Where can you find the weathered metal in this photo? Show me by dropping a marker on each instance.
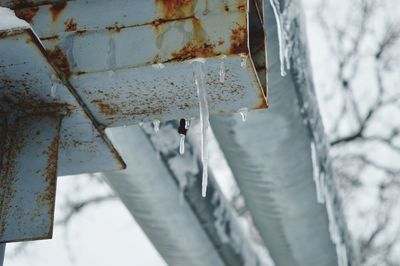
(28, 184)
(26, 78)
(110, 60)
(32, 133)
(129, 63)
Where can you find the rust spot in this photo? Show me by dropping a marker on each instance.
(60, 60)
(80, 32)
(106, 109)
(176, 8)
(115, 28)
(50, 176)
(21, 3)
(263, 104)
(70, 25)
(27, 14)
(199, 47)
(50, 38)
(56, 9)
(193, 50)
(239, 40)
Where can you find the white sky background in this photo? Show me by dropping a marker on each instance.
(106, 234)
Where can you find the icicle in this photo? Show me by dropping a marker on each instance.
(199, 78)
(243, 113)
(341, 254)
(53, 90)
(282, 47)
(187, 123)
(156, 124)
(243, 62)
(158, 66)
(222, 71)
(182, 144)
(316, 174)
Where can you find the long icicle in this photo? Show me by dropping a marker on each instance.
(199, 78)
(276, 8)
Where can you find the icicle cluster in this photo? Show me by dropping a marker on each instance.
(156, 125)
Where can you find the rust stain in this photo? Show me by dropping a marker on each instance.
(21, 3)
(9, 171)
(176, 8)
(56, 9)
(199, 47)
(80, 32)
(50, 38)
(70, 25)
(105, 108)
(115, 28)
(239, 40)
(193, 50)
(50, 177)
(27, 14)
(263, 104)
(60, 60)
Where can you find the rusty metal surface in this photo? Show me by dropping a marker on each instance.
(108, 59)
(26, 79)
(28, 177)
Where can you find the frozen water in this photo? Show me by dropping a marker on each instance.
(187, 124)
(158, 66)
(201, 86)
(182, 144)
(276, 8)
(244, 113)
(156, 125)
(243, 62)
(53, 90)
(222, 72)
(316, 174)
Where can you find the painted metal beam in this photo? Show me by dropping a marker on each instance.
(162, 190)
(42, 135)
(271, 158)
(28, 184)
(131, 62)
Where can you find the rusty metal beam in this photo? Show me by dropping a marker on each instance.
(26, 79)
(35, 141)
(28, 177)
(114, 61)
